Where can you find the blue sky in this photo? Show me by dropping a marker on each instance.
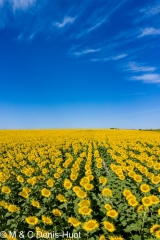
(79, 64)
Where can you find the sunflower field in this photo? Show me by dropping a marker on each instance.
(80, 184)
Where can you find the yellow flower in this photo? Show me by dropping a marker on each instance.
(35, 203)
(75, 222)
(154, 199)
(32, 220)
(20, 179)
(6, 190)
(155, 179)
(126, 192)
(4, 204)
(90, 225)
(85, 210)
(61, 198)
(81, 194)
(102, 237)
(109, 226)
(88, 186)
(73, 177)
(138, 178)
(56, 212)
(76, 188)
(145, 188)
(84, 203)
(45, 192)
(157, 234)
(31, 181)
(84, 181)
(99, 165)
(112, 213)
(56, 175)
(102, 180)
(67, 184)
(13, 208)
(132, 202)
(45, 171)
(146, 201)
(47, 220)
(107, 192)
(108, 206)
(140, 208)
(154, 228)
(159, 211)
(24, 194)
(27, 190)
(50, 182)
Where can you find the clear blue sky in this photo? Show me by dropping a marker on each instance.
(79, 64)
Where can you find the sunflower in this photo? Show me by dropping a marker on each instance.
(25, 189)
(6, 190)
(132, 202)
(140, 208)
(84, 203)
(47, 220)
(84, 181)
(126, 192)
(85, 210)
(154, 199)
(50, 182)
(73, 177)
(109, 226)
(155, 179)
(4, 204)
(13, 208)
(88, 186)
(76, 189)
(99, 165)
(90, 177)
(23, 194)
(130, 196)
(146, 201)
(56, 212)
(145, 188)
(20, 179)
(35, 203)
(108, 206)
(102, 180)
(154, 228)
(81, 194)
(121, 177)
(107, 192)
(67, 184)
(138, 178)
(102, 237)
(157, 234)
(45, 192)
(56, 175)
(159, 211)
(90, 225)
(75, 222)
(61, 198)
(32, 220)
(112, 213)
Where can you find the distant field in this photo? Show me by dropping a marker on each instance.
(80, 184)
